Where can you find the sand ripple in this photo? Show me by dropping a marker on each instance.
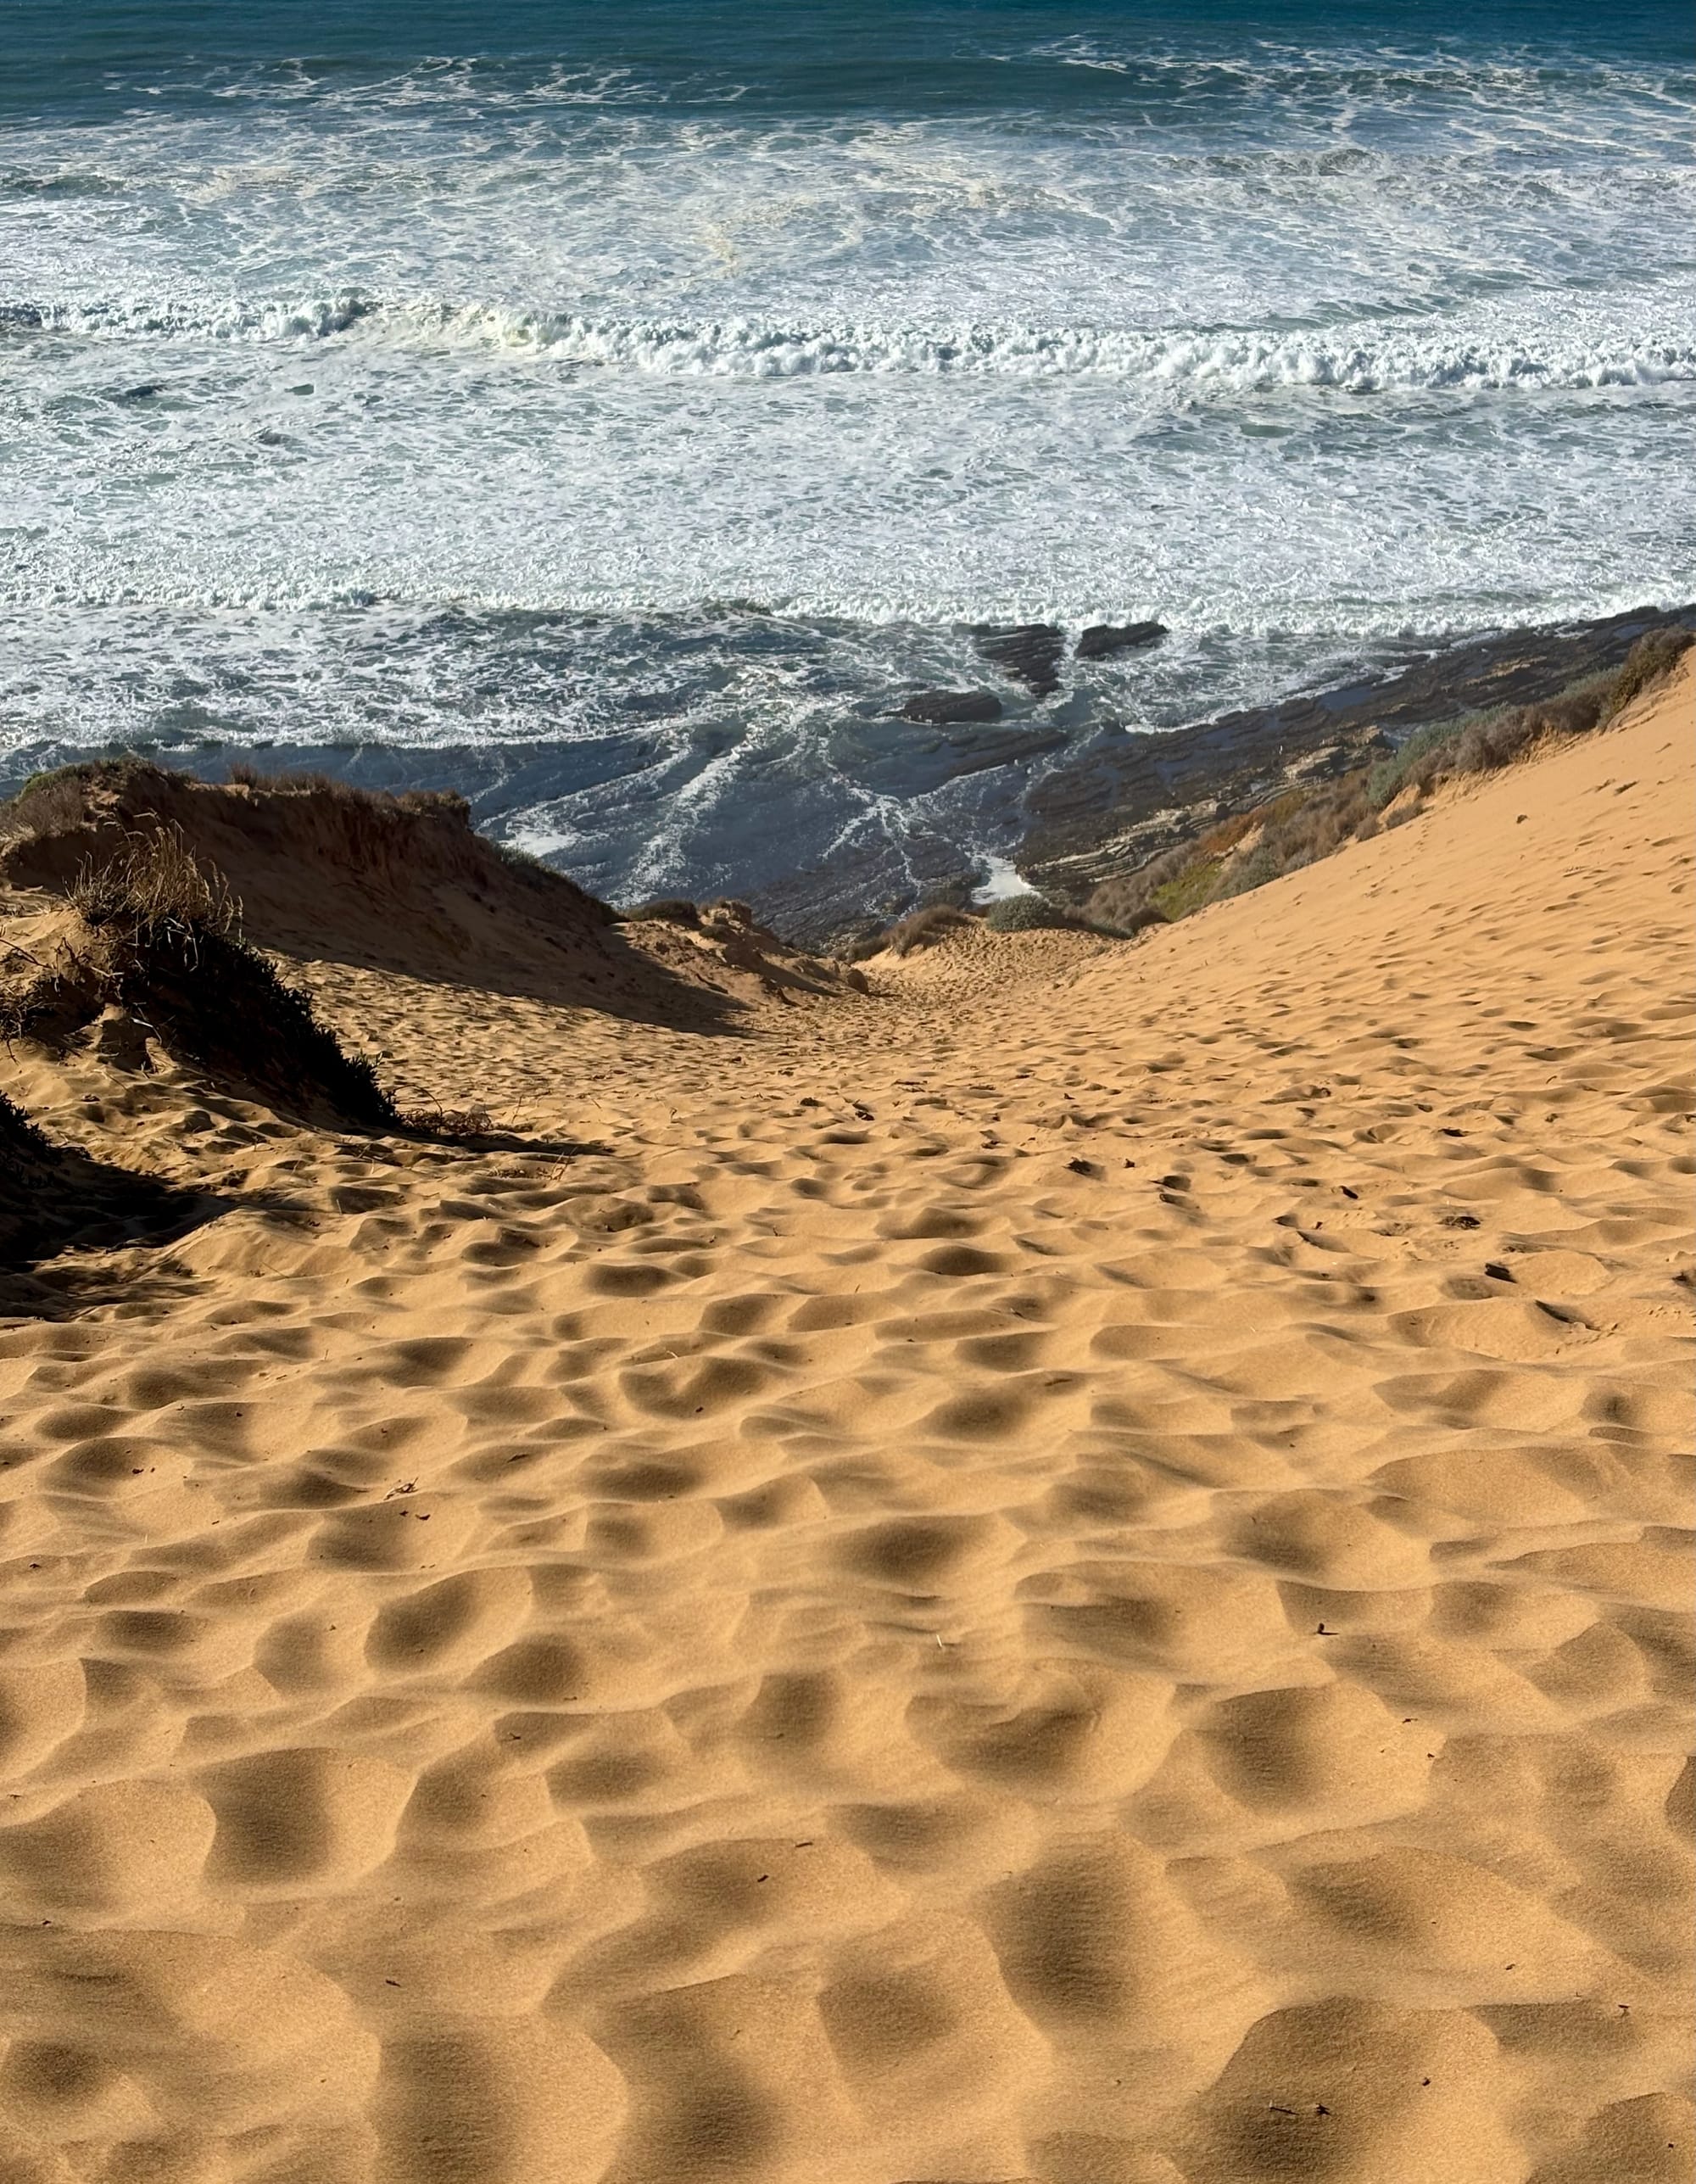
(1074, 1572)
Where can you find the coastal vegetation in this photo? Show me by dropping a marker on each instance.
(152, 944)
(1312, 821)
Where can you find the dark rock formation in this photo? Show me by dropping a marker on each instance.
(1030, 653)
(943, 708)
(1107, 638)
(1127, 795)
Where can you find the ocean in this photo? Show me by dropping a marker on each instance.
(617, 412)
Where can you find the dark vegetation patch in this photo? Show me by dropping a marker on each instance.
(1032, 913)
(157, 939)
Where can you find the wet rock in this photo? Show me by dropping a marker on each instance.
(943, 708)
(1124, 796)
(1029, 652)
(952, 893)
(1107, 638)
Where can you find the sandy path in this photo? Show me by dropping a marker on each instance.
(1072, 1573)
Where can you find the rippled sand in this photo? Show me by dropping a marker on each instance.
(1070, 1571)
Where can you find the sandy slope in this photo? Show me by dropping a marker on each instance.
(1068, 1572)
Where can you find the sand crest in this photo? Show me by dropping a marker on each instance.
(1070, 1569)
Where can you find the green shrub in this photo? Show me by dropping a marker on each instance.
(1648, 660)
(1193, 886)
(1254, 871)
(153, 885)
(80, 769)
(1029, 913)
(1390, 776)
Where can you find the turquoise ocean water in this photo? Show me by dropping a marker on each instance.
(614, 411)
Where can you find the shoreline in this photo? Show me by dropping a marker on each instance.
(1098, 819)
(858, 815)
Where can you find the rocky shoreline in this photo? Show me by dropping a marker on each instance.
(1126, 798)
(904, 777)
(1128, 794)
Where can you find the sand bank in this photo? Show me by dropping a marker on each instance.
(1070, 1569)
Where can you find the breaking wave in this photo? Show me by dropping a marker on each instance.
(1355, 359)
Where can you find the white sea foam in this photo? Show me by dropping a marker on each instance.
(1243, 197)
(1581, 348)
(321, 401)
(1001, 881)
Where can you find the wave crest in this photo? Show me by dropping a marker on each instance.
(1355, 360)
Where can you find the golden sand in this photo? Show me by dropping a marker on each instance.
(1070, 1571)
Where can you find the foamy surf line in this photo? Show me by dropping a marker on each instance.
(1349, 360)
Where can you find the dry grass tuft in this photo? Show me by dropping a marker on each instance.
(923, 929)
(448, 1122)
(1649, 660)
(153, 885)
(669, 910)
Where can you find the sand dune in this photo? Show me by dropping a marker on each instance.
(1069, 1569)
(403, 887)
